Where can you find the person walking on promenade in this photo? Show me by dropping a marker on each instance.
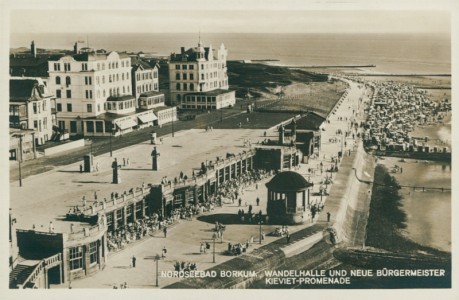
(97, 167)
(164, 252)
(240, 201)
(201, 248)
(288, 237)
(328, 216)
(258, 201)
(165, 232)
(81, 168)
(133, 261)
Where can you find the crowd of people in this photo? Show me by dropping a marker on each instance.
(237, 249)
(186, 267)
(137, 230)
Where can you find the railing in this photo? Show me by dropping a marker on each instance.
(31, 278)
(87, 231)
(53, 260)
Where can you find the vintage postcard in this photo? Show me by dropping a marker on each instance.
(293, 145)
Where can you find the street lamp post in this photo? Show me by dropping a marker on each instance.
(261, 222)
(173, 123)
(111, 134)
(214, 237)
(20, 160)
(157, 258)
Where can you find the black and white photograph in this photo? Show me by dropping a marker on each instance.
(208, 145)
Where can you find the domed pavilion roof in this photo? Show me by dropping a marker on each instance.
(288, 181)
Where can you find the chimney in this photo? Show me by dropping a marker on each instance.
(182, 50)
(75, 48)
(32, 49)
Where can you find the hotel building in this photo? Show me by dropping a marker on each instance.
(198, 78)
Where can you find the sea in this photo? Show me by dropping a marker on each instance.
(391, 53)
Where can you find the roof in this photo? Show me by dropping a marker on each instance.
(160, 108)
(120, 98)
(311, 121)
(210, 93)
(151, 93)
(190, 54)
(288, 181)
(136, 63)
(26, 89)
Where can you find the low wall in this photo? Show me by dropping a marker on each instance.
(64, 147)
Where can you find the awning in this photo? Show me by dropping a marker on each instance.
(124, 124)
(147, 118)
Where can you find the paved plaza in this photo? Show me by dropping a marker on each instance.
(49, 196)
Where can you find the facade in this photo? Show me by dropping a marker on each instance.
(144, 77)
(306, 133)
(196, 72)
(83, 82)
(166, 114)
(151, 99)
(22, 144)
(32, 106)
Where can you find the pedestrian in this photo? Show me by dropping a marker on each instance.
(288, 237)
(240, 201)
(201, 248)
(328, 216)
(127, 161)
(133, 261)
(81, 168)
(124, 162)
(97, 167)
(164, 252)
(165, 232)
(256, 186)
(95, 195)
(258, 201)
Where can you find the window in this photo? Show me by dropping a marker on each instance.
(69, 107)
(191, 87)
(177, 86)
(117, 76)
(184, 67)
(122, 76)
(109, 105)
(69, 93)
(76, 258)
(58, 80)
(45, 123)
(155, 74)
(73, 126)
(99, 126)
(185, 87)
(184, 77)
(103, 92)
(202, 76)
(177, 67)
(120, 105)
(90, 126)
(35, 124)
(59, 107)
(191, 76)
(67, 66)
(191, 67)
(109, 78)
(89, 108)
(177, 76)
(202, 66)
(84, 66)
(68, 81)
(98, 107)
(58, 94)
(57, 66)
(179, 98)
(127, 76)
(88, 94)
(87, 80)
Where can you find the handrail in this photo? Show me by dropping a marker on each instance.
(34, 274)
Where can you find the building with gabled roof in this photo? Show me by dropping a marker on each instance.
(32, 106)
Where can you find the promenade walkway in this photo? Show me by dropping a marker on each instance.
(48, 195)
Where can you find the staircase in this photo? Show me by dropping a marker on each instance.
(21, 272)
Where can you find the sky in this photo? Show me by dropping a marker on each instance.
(229, 21)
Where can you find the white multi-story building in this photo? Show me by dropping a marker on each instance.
(198, 78)
(82, 83)
(32, 107)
